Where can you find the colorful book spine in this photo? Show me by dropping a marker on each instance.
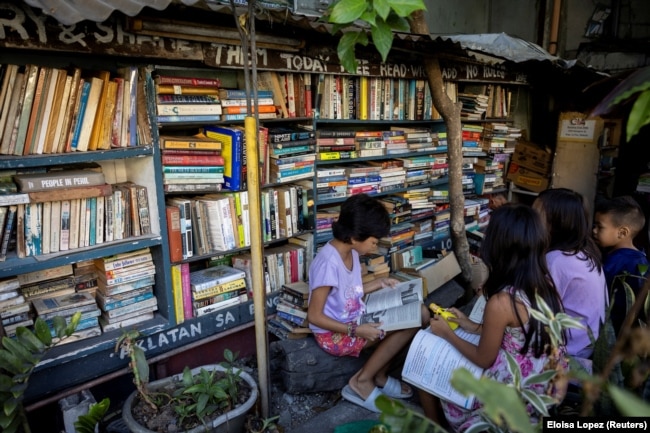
(187, 291)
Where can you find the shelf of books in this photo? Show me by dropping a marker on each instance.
(79, 204)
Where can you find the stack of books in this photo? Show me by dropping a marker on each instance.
(192, 164)
(290, 321)
(235, 107)
(474, 106)
(400, 236)
(410, 259)
(399, 209)
(419, 139)
(217, 287)
(125, 289)
(324, 219)
(374, 267)
(292, 154)
(336, 144)
(370, 143)
(85, 276)
(186, 99)
(363, 179)
(472, 136)
(395, 140)
(331, 183)
(14, 310)
(66, 306)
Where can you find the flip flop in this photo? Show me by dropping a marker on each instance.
(393, 388)
(348, 394)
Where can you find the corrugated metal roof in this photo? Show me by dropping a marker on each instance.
(489, 48)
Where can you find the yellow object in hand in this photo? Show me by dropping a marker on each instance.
(442, 312)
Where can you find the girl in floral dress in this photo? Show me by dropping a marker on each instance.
(514, 252)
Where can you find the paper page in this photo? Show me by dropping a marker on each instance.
(476, 314)
(390, 297)
(431, 361)
(403, 317)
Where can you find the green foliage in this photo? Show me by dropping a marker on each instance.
(382, 16)
(196, 396)
(402, 419)
(86, 423)
(18, 358)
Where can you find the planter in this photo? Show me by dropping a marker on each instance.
(230, 422)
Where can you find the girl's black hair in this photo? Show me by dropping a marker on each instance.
(514, 250)
(568, 224)
(361, 217)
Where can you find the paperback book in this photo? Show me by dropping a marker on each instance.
(396, 307)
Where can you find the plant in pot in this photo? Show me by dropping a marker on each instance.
(211, 398)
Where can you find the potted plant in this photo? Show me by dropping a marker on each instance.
(211, 398)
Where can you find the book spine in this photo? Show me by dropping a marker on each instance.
(187, 81)
(142, 305)
(177, 291)
(218, 289)
(187, 290)
(191, 160)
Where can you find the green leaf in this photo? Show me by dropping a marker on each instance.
(382, 37)
(479, 427)
(42, 331)
(501, 403)
(141, 363)
(405, 8)
(382, 7)
(346, 52)
(630, 297)
(543, 306)
(639, 115)
(347, 11)
(543, 377)
(536, 401)
(398, 23)
(27, 337)
(567, 321)
(369, 17)
(10, 406)
(627, 403)
(74, 322)
(19, 351)
(514, 369)
(10, 362)
(539, 316)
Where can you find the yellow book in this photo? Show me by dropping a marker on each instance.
(93, 142)
(196, 142)
(106, 127)
(364, 85)
(177, 291)
(219, 289)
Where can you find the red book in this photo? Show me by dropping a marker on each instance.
(187, 81)
(174, 233)
(244, 110)
(187, 291)
(192, 160)
(191, 152)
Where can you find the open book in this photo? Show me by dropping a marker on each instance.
(431, 361)
(396, 307)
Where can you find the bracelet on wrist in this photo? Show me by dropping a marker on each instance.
(352, 329)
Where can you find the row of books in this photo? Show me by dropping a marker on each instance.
(220, 222)
(51, 110)
(61, 225)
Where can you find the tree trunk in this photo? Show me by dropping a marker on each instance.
(450, 112)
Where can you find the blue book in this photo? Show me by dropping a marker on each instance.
(127, 301)
(190, 118)
(92, 236)
(232, 150)
(85, 91)
(241, 94)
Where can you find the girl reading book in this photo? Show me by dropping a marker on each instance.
(514, 252)
(336, 302)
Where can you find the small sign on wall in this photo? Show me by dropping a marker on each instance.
(577, 127)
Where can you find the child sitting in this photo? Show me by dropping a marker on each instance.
(336, 302)
(616, 223)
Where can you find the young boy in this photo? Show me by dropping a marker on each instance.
(616, 224)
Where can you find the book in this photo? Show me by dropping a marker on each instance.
(113, 289)
(396, 307)
(431, 357)
(177, 292)
(122, 261)
(219, 289)
(90, 110)
(163, 79)
(232, 151)
(48, 306)
(241, 94)
(198, 142)
(189, 109)
(213, 276)
(174, 237)
(57, 179)
(71, 193)
(120, 324)
(23, 116)
(145, 305)
(106, 305)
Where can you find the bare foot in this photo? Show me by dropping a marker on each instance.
(363, 388)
